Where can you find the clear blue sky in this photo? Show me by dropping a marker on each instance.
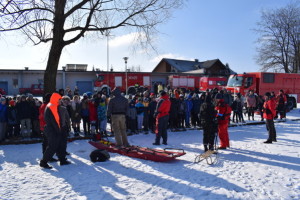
(202, 29)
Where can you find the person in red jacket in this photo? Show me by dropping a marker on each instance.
(162, 118)
(223, 116)
(269, 112)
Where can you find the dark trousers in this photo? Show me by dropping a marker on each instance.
(151, 123)
(146, 122)
(173, 120)
(13, 130)
(132, 124)
(86, 124)
(195, 119)
(271, 129)
(161, 129)
(209, 134)
(251, 112)
(181, 120)
(56, 144)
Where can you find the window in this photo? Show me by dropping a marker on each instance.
(268, 78)
(248, 82)
(15, 82)
(100, 77)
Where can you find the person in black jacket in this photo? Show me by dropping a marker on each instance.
(117, 110)
(152, 107)
(173, 120)
(55, 130)
(208, 122)
(24, 115)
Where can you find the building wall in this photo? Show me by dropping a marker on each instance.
(162, 67)
(24, 78)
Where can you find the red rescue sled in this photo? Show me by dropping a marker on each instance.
(157, 155)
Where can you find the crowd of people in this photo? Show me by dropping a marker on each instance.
(24, 116)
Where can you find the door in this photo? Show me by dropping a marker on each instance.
(4, 86)
(84, 86)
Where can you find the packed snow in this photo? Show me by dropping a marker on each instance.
(250, 169)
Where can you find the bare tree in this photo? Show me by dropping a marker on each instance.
(62, 22)
(279, 40)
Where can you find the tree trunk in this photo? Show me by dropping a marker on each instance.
(51, 70)
(56, 47)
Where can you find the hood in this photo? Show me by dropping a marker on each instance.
(116, 92)
(54, 100)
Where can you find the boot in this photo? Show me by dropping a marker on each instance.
(205, 148)
(45, 165)
(211, 147)
(65, 162)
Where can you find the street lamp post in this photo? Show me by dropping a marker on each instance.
(126, 81)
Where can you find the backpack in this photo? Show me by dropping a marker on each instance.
(99, 155)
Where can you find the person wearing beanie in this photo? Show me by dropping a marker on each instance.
(162, 118)
(54, 130)
(269, 112)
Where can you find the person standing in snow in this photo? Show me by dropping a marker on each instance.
(208, 122)
(3, 118)
(117, 110)
(223, 116)
(269, 110)
(140, 114)
(54, 130)
(162, 118)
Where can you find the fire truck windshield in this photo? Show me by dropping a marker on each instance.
(235, 81)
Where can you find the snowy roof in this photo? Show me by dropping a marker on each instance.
(188, 65)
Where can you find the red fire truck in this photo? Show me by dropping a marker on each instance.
(212, 82)
(183, 81)
(201, 83)
(262, 82)
(132, 81)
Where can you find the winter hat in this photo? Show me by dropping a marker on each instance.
(12, 103)
(162, 93)
(132, 104)
(268, 94)
(30, 96)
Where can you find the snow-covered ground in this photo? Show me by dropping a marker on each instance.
(250, 169)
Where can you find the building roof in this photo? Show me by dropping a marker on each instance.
(187, 65)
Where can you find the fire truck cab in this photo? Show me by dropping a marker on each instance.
(262, 82)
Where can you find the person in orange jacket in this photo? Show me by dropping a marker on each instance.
(269, 112)
(223, 116)
(55, 130)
